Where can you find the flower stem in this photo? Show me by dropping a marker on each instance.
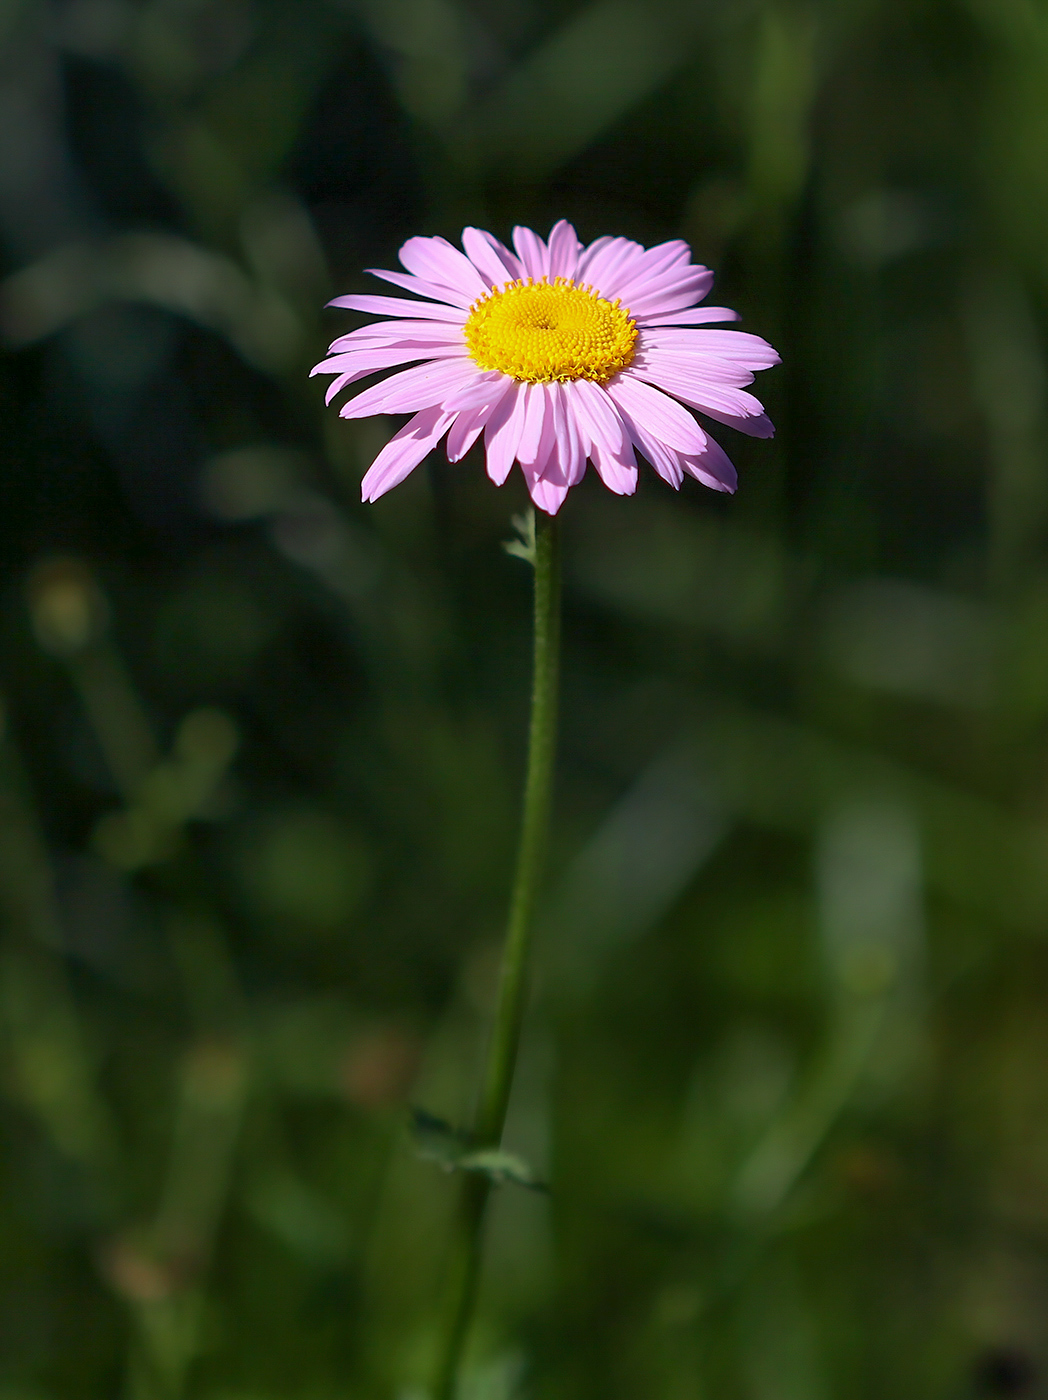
(513, 978)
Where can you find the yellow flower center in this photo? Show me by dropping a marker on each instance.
(541, 331)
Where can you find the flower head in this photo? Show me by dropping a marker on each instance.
(558, 355)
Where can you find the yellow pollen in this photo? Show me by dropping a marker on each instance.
(542, 331)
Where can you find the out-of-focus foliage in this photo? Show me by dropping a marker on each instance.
(784, 1072)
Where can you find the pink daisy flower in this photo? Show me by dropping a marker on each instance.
(559, 355)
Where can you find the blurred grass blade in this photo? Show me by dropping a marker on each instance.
(54, 1066)
(160, 270)
(637, 862)
(583, 79)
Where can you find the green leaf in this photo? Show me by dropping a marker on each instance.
(501, 1167)
(453, 1150)
(524, 546)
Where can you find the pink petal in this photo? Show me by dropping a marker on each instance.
(631, 276)
(536, 404)
(502, 433)
(572, 447)
(532, 252)
(492, 259)
(561, 462)
(598, 418)
(350, 368)
(372, 357)
(402, 454)
(336, 386)
(673, 291)
(728, 405)
(737, 346)
(414, 347)
(604, 258)
(564, 249)
(753, 424)
(399, 306)
(420, 387)
(609, 446)
(544, 460)
(617, 475)
(665, 461)
(434, 290)
(713, 468)
(467, 427)
(390, 332)
(548, 496)
(436, 260)
(695, 316)
(657, 414)
(487, 388)
(590, 252)
(694, 368)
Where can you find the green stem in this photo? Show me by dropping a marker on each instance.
(513, 978)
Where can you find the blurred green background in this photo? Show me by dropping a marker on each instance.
(786, 1068)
